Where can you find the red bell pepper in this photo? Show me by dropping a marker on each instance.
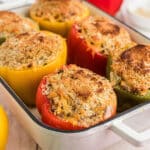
(44, 106)
(91, 41)
(80, 53)
(110, 6)
(59, 109)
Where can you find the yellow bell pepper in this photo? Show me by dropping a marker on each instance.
(61, 28)
(56, 26)
(25, 81)
(3, 129)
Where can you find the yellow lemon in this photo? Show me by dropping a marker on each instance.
(3, 128)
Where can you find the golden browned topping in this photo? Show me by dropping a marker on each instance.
(30, 49)
(11, 23)
(80, 96)
(105, 35)
(59, 10)
(133, 67)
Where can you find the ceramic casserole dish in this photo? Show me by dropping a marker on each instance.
(132, 125)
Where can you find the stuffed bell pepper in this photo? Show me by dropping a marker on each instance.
(4, 127)
(92, 40)
(12, 24)
(130, 74)
(74, 98)
(27, 57)
(58, 15)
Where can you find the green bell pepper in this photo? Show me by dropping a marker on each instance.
(126, 99)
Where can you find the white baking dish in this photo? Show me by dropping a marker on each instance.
(132, 125)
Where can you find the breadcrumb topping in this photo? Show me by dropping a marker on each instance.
(59, 10)
(103, 34)
(30, 49)
(133, 69)
(11, 23)
(80, 96)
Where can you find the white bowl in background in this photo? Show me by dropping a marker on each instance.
(138, 13)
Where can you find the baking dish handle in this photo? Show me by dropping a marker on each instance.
(137, 138)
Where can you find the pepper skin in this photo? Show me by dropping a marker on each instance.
(61, 28)
(80, 53)
(124, 95)
(4, 128)
(44, 107)
(25, 81)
